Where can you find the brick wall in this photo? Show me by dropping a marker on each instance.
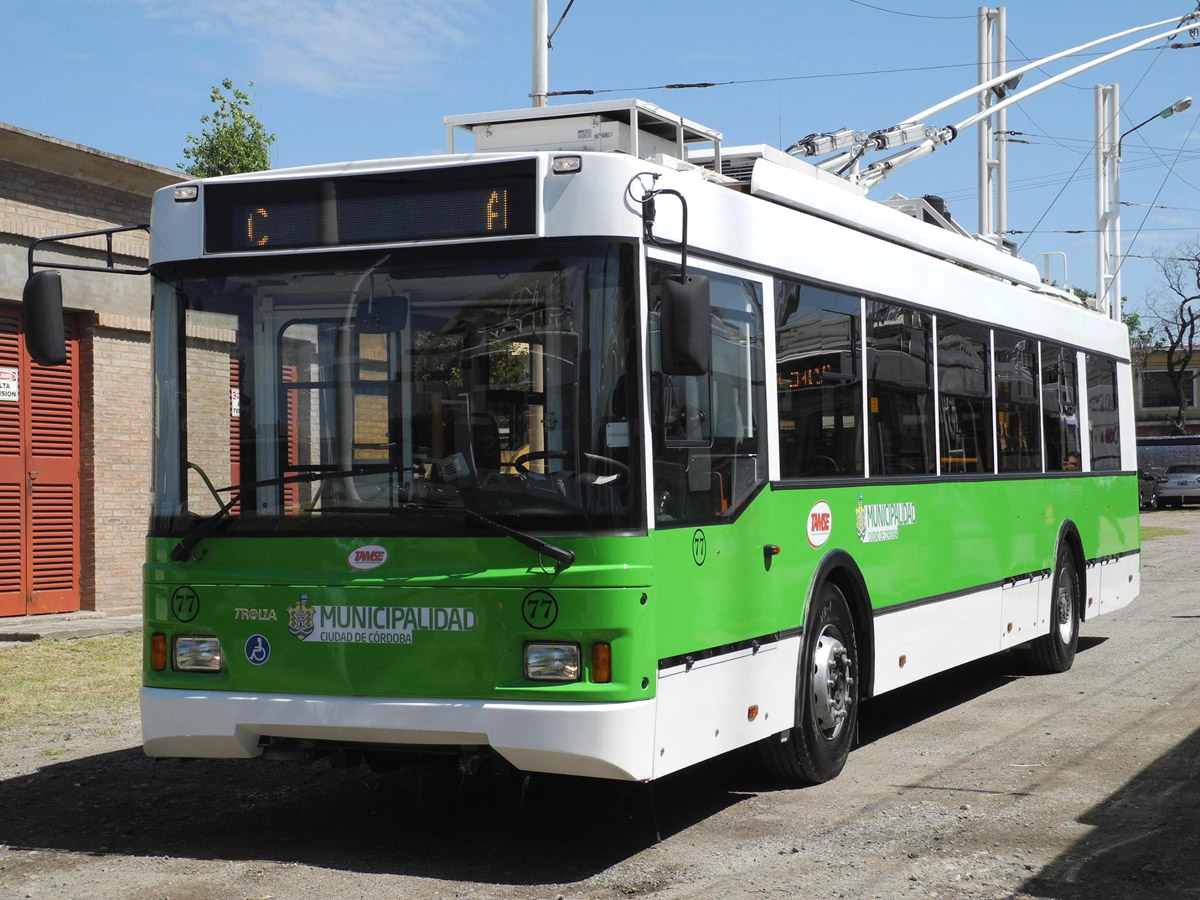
(116, 416)
(39, 204)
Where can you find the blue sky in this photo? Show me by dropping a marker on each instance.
(355, 79)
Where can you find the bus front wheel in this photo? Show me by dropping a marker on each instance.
(815, 750)
(1055, 652)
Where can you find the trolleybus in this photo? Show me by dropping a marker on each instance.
(604, 449)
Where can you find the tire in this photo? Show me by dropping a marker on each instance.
(1055, 652)
(815, 750)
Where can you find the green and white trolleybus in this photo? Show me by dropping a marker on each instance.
(603, 455)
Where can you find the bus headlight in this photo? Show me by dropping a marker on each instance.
(552, 662)
(197, 653)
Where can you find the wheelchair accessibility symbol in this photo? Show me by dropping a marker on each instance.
(258, 649)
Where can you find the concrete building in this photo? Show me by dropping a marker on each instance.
(74, 441)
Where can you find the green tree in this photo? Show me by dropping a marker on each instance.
(234, 141)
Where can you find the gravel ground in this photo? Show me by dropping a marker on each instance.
(979, 783)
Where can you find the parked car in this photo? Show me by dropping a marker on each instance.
(1179, 483)
(1147, 487)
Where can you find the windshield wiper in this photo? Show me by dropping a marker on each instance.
(202, 529)
(561, 555)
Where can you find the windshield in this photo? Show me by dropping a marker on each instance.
(396, 392)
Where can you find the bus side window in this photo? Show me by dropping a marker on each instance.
(1018, 426)
(900, 411)
(818, 381)
(964, 396)
(1104, 420)
(1060, 406)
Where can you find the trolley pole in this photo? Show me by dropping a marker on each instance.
(541, 56)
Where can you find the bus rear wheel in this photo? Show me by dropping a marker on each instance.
(1055, 652)
(815, 750)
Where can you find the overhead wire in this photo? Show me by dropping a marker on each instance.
(1156, 206)
(1041, 69)
(1075, 140)
(896, 12)
(558, 24)
(1097, 230)
(809, 77)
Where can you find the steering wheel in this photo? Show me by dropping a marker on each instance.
(519, 462)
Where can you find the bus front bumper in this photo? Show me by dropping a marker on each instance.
(598, 740)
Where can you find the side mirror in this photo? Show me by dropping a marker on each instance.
(44, 334)
(684, 329)
(381, 315)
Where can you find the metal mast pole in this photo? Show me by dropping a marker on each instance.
(984, 136)
(993, 179)
(541, 60)
(1108, 200)
(1001, 145)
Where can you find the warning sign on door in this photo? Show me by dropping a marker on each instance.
(10, 385)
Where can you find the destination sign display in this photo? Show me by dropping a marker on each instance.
(494, 200)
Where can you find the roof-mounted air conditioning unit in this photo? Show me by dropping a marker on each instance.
(635, 127)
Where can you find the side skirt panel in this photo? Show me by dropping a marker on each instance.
(704, 710)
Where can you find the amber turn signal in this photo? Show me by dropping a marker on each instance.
(158, 652)
(602, 663)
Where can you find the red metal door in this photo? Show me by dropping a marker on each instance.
(39, 476)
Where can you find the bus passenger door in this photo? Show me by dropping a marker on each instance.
(710, 460)
(715, 594)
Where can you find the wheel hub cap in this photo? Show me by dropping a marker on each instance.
(1063, 611)
(831, 683)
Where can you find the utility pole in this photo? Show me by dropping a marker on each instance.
(1108, 200)
(541, 54)
(993, 155)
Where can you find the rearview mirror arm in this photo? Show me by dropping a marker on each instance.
(109, 266)
(648, 222)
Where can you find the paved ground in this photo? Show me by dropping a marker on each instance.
(980, 783)
(66, 626)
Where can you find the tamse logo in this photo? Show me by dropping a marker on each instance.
(820, 523)
(369, 557)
